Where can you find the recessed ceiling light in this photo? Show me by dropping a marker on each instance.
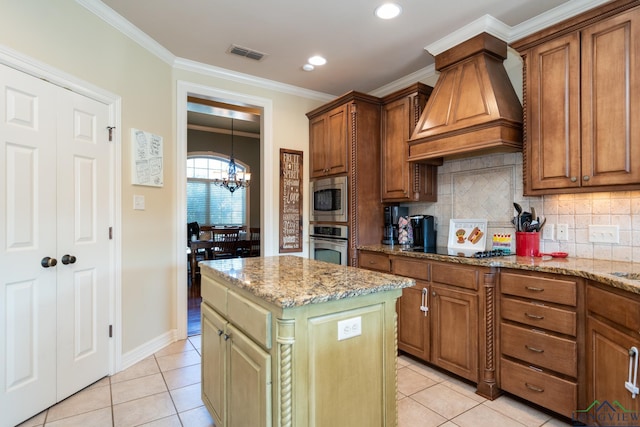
(388, 11)
(308, 67)
(317, 60)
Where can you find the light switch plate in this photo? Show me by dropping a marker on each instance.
(138, 203)
(604, 234)
(547, 232)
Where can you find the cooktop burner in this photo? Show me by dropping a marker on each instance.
(467, 254)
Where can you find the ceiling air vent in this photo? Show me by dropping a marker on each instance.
(246, 52)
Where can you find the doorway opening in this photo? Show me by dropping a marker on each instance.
(261, 188)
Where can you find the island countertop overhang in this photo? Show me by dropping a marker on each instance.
(290, 281)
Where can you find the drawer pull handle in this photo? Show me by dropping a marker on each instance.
(533, 289)
(534, 388)
(535, 350)
(533, 316)
(424, 306)
(632, 382)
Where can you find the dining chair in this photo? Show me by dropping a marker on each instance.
(226, 242)
(254, 241)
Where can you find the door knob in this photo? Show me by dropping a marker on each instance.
(47, 262)
(68, 259)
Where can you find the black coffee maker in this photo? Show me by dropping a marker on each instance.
(392, 214)
(424, 233)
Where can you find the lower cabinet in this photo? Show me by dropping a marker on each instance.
(539, 339)
(438, 318)
(237, 372)
(454, 329)
(613, 342)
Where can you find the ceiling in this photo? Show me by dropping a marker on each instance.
(364, 53)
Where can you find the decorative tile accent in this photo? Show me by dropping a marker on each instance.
(484, 193)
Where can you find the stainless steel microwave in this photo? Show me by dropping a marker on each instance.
(329, 199)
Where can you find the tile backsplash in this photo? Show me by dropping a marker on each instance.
(485, 187)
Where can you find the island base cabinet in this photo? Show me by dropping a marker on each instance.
(607, 371)
(236, 380)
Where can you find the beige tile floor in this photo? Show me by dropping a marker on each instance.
(164, 391)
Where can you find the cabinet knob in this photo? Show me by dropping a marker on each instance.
(226, 337)
(585, 178)
(574, 179)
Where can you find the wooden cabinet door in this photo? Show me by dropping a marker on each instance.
(213, 371)
(317, 137)
(249, 382)
(454, 325)
(413, 320)
(337, 144)
(608, 370)
(396, 175)
(610, 101)
(553, 114)
(328, 143)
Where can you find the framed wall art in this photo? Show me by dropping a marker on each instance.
(147, 159)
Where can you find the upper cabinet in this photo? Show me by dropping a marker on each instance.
(581, 98)
(403, 181)
(328, 142)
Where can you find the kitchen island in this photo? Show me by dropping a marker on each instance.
(291, 341)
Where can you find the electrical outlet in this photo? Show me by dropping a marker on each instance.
(604, 234)
(562, 233)
(547, 232)
(349, 328)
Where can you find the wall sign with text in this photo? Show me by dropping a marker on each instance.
(290, 200)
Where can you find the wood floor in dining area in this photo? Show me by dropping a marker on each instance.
(194, 298)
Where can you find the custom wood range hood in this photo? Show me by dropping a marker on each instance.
(473, 108)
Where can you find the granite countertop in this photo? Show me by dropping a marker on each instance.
(291, 281)
(598, 270)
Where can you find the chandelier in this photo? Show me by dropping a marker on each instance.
(232, 179)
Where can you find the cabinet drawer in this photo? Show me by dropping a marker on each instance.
(214, 294)
(539, 387)
(540, 288)
(539, 315)
(450, 274)
(622, 310)
(414, 268)
(540, 349)
(254, 320)
(374, 261)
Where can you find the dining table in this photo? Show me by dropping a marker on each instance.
(209, 247)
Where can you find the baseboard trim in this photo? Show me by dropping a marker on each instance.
(147, 349)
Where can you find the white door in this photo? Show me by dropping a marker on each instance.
(54, 201)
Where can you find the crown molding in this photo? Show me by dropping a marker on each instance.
(112, 18)
(134, 33)
(495, 27)
(551, 17)
(484, 24)
(405, 81)
(223, 73)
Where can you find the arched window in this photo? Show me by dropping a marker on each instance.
(207, 203)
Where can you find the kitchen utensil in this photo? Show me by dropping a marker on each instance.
(519, 210)
(541, 224)
(554, 254)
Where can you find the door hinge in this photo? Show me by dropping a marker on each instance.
(110, 331)
(110, 129)
(110, 233)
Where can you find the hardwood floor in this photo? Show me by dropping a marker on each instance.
(193, 300)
